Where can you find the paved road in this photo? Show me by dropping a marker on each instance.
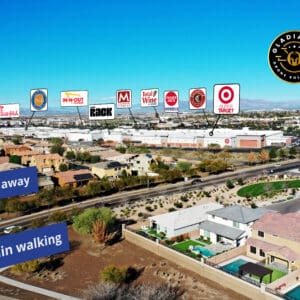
(287, 206)
(161, 190)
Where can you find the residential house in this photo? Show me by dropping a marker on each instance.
(12, 149)
(276, 239)
(184, 221)
(72, 178)
(109, 169)
(47, 163)
(231, 224)
(4, 159)
(139, 163)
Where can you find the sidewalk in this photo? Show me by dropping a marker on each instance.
(35, 289)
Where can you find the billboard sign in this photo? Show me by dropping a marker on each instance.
(33, 244)
(74, 98)
(39, 100)
(226, 99)
(198, 98)
(171, 99)
(9, 111)
(22, 181)
(102, 112)
(149, 97)
(124, 99)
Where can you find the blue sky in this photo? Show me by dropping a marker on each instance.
(103, 46)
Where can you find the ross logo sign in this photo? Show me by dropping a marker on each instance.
(39, 100)
(171, 101)
(149, 97)
(74, 98)
(9, 111)
(124, 99)
(102, 112)
(198, 98)
(226, 99)
(32, 244)
(22, 181)
(284, 56)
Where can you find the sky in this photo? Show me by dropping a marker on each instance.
(103, 46)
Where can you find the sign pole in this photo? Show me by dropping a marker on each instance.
(79, 115)
(131, 114)
(211, 133)
(206, 118)
(29, 121)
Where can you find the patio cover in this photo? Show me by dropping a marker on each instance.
(255, 269)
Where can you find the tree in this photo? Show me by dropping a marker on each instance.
(272, 153)
(47, 197)
(27, 267)
(83, 223)
(17, 139)
(95, 159)
(63, 167)
(56, 141)
(15, 159)
(251, 158)
(36, 223)
(183, 166)
(70, 155)
(57, 149)
(229, 184)
(282, 153)
(293, 151)
(100, 233)
(264, 156)
(114, 274)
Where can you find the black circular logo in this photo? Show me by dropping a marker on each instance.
(284, 56)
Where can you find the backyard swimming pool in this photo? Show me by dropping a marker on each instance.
(203, 251)
(233, 267)
(293, 294)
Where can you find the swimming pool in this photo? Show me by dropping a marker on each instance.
(293, 294)
(233, 267)
(203, 251)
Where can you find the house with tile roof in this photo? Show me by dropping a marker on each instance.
(72, 178)
(231, 224)
(276, 239)
(47, 163)
(109, 169)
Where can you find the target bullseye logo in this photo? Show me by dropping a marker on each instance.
(227, 99)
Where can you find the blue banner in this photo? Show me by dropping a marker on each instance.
(22, 181)
(32, 244)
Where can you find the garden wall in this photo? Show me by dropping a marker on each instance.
(204, 270)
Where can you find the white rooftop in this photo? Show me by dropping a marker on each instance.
(185, 217)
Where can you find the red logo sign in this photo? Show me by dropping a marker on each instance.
(124, 99)
(227, 141)
(197, 98)
(171, 98)
(226, 94)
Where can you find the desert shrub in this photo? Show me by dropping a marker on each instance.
(114, 274)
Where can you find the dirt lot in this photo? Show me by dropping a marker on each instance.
(82, 265)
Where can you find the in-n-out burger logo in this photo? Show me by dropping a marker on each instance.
(102, 112)
(74, 98)
(9, 110)
(149, 97)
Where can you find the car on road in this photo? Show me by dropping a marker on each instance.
(12, 229)
(196, 181)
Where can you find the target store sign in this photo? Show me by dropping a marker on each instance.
(171, 99)
(226, 99)
(124, 99)
(198, 98)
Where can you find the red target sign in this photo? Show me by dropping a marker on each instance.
(226, 99)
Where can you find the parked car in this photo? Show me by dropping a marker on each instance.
(12, 229)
